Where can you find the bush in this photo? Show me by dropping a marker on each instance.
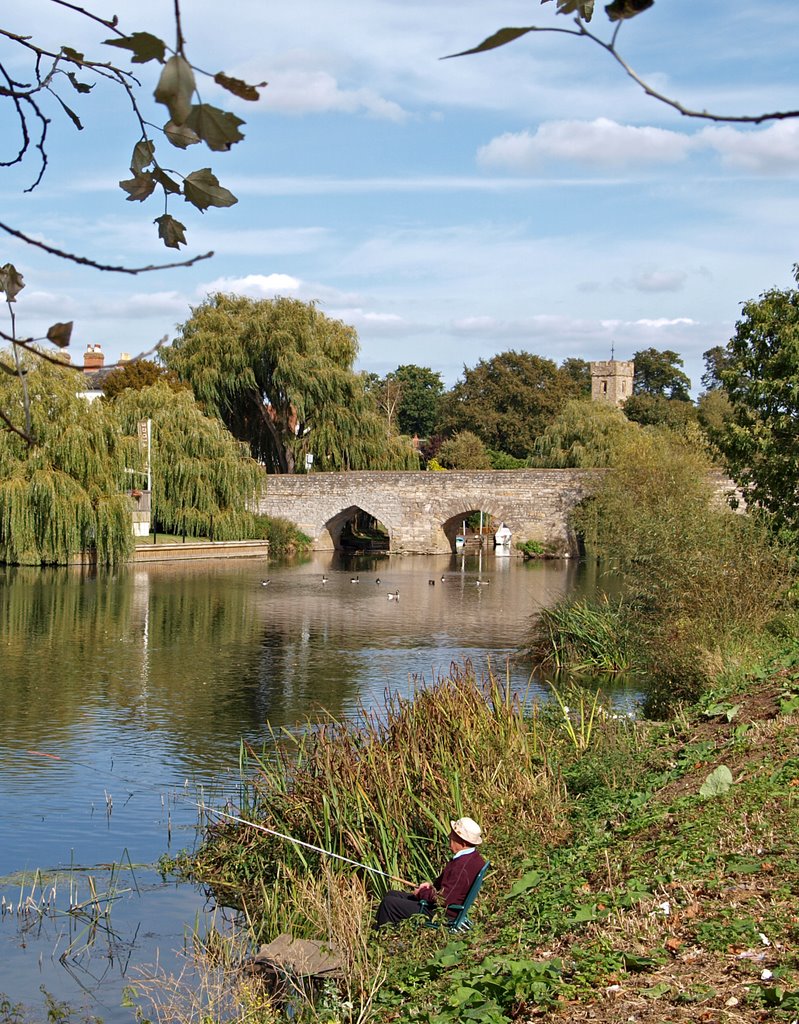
(283, 536)
(702, 582)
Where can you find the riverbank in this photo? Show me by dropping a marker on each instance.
(650, 874)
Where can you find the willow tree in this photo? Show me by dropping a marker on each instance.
(204, 481)
(279, 373)
(63, 494)
(584, 435)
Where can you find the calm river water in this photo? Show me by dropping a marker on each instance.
(124, 698)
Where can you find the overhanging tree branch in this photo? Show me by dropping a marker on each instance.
(86, 262)
(504, 36)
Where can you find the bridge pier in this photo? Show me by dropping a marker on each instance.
(422, 511)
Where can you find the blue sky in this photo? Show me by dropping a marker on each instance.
(530, 198)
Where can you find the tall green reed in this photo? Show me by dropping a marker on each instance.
(380, 789)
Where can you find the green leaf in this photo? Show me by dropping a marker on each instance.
(180, 136)
(619, 10)
(524, 884)
(717, 710)
(60, 334)
(656, 991)
(175, 88)
(144, 46)
(11, 281)
(717, 783)
(202, 189)
(217, 128)
(633, 962)
(167, 184)
(501, 38)
(171, 231)
(238, 87)
(139, 187)
(77, 85)
(142, 157)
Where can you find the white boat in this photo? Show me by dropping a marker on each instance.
(502, 539)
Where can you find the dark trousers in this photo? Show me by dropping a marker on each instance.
(396, 906)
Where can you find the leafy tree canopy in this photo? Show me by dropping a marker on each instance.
(583, 434)
(658, 411)
(580, 372)
(66, 493)
(660, 373)
(760, 442)
(716, 360)
(464, 450)
(508, 400)
(138, 374)
(420, 392)
(279, 373)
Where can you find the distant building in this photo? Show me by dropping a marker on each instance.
(93, 359)
(612, 380)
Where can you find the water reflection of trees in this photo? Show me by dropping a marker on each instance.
(189, 653)
(188, 658)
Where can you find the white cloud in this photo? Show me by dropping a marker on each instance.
(305, 91)
(771, 150)
(255, 286)
(374, 322)
(661, 322)
(606, 143)
(660, 281)
(601, 142)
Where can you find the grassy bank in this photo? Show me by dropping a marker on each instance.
(640, 870)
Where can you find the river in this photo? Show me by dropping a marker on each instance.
(124, 700)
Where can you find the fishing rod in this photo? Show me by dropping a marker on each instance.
(300, 842)
(206, 809)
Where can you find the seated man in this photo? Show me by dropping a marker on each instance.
(451, 886)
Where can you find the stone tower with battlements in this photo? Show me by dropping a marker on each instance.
(612, 380)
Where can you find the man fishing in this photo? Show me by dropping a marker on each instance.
(451, 886)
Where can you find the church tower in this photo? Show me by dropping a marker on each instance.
(612, 380)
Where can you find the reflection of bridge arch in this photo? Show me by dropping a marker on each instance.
(417, 507)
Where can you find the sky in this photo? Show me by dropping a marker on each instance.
(531, 198)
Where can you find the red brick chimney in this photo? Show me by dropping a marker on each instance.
(93, 359)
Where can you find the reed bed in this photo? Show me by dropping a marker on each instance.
(583, 636)
(380, 790)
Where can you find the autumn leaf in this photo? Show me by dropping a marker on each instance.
(171, 231)
(238, 87)
(143, 153)
(60, 334)
(144, 46)
(139, 187)
(217, 128)
(175, 88)
(619, 10)
(11, 281)
(180, 136)
(167, 184)
(202, 189)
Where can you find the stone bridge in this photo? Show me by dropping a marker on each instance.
(424, 511)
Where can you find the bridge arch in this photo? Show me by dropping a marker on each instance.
(452, 525)
(329, 536)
